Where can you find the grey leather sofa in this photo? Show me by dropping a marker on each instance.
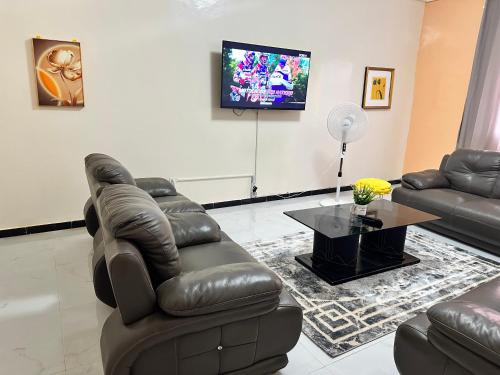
(189, 299)
(461, 336)
(103, 170)
(458, 337)
(206, 308)
(464, 192)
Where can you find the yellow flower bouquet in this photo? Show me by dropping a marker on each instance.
(378, 186)
(365, 191)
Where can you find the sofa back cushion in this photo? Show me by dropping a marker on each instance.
(104, 168)
(193, 228)
(474, 171)
(130, 213)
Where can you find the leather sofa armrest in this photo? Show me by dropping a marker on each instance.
(90, 217)
(428, 179)
(121, 344)
(132, 287)
(219, 288)
(193, 228)
(471, 325)
(156, 186)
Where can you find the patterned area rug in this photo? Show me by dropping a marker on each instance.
(343, 317)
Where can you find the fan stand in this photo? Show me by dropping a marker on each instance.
(336, 201)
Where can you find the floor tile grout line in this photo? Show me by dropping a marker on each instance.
(59, 309)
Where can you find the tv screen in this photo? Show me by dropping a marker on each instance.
(263, 77)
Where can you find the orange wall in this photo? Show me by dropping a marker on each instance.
(444, 63)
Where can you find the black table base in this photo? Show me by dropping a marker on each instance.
(338, 260)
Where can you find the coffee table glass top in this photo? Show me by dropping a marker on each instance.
(335, 221)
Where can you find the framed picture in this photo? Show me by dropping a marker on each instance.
(377, 92)
(58, 72)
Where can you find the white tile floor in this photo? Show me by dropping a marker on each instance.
(50, 319)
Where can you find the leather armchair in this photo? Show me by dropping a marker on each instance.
(462, 336)
(220, 312)
(464, 192)
(457, 337)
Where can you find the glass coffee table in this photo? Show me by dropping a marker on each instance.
(347, 248)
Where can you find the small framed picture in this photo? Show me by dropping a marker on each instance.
(377, 92)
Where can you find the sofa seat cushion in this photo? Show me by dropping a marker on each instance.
(199, 257)
(130, 213)
(224, 287)
(440, 202)
(480, 216)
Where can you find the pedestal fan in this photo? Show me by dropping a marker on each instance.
(347, 122)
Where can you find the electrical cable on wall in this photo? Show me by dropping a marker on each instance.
(238, 113)
(254, 187)
(256, 150)
(253, 190)
(290, 196)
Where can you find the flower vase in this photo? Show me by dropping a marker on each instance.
(359, 209)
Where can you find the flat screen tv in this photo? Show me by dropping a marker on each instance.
(262, 77)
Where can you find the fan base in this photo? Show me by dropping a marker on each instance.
(333, 202)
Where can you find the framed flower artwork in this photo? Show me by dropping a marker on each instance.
(377, 91)
(58, 72)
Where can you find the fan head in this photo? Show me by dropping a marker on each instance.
(347, 122)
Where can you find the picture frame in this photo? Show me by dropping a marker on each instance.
(378, 88)
(58, 73)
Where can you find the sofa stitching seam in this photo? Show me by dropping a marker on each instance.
(225, 302)
(434, 321)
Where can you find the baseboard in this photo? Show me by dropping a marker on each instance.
(41, 228)
(269, 198)
(208, 206)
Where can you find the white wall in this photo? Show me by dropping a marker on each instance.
(151, 79)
